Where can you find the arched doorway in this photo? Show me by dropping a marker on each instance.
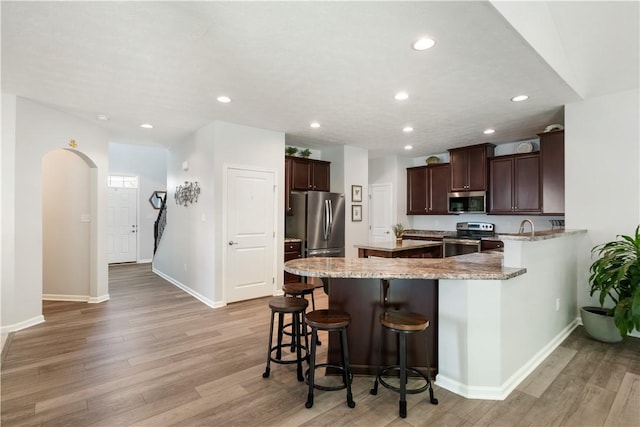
(69, 226)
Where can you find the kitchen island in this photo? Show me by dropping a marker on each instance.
(494, 318)
(401, 249)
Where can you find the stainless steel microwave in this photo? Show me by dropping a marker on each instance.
(468, 202)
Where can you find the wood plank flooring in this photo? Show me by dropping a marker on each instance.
(155, 356)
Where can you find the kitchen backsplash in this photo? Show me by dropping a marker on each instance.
(504, 224)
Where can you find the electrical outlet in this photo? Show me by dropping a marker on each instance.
(185, 267)
(557, 304)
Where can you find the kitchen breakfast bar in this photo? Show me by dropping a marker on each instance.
(483, 337)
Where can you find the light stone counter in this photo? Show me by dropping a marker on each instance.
(539, 235)
(476, 266)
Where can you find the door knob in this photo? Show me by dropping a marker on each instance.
(231, 243)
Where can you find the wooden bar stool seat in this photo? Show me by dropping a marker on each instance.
(403, 323)
(332, 321)
(296, 307)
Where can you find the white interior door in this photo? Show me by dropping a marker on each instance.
(123, 225)
(250, 266)
(381, 213)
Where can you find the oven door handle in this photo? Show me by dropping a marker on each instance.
(462, 242)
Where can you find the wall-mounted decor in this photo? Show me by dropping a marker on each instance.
(356, 193)
(157, 199)
(187, 193)
(356, 213)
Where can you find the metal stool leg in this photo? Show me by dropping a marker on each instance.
(312, 367)
(374, 390)
(403, 375)
(268, 369)
(280, 323)
(432, 399)
(345, 366)
(296, 328)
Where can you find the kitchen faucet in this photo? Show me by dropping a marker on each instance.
(521, 230)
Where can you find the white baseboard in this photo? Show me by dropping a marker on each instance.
(21, 325)
(75, 298)
(145, 261)
(503, 391)
(188, 290)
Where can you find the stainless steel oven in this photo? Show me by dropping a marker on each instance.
(468, 238)
(454, 246)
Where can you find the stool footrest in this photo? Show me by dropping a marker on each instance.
(324, 387)
(387, 369)
(282, 361)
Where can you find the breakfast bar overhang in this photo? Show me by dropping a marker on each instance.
(494, 324)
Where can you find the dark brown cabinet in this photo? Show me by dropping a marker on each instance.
(292, 250)
(308, 174)
(468, 167)
(514, 184)
(486, 245)
(552, 172)
(427, 188)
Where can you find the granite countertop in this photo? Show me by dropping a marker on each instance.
(436, 234)
(292, 240)
(398, 246)
(539, 235)
(479, 266)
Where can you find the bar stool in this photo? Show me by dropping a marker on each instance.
(329, 320)
(300, 290)
(296, 307)
(403, 323)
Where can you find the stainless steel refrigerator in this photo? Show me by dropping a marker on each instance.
(318, 219)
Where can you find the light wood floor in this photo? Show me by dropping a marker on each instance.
(155, 356)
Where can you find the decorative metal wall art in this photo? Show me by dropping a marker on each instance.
(187, 193)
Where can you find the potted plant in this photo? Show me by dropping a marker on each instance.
(615, 275)
(305, 153)
(398, 229)
(290, 151)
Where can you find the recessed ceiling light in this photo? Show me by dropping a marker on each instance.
(224, 99)
(407, 129)
(408, 147)
(146, 126)
(520, 98)
(424, 43)
(102, 117)
(401, 96)
(315, 125)
(489, 131)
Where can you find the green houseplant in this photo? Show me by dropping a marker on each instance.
(290, 151)
(398, 229)
(615, 275)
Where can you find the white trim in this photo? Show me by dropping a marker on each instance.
(503, 391)
(65, 297)
(145, 261)
(22, 325)
(190, 291)
(101, 298)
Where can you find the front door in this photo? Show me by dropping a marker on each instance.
(381, 213)
(122, 225)
(250, 269)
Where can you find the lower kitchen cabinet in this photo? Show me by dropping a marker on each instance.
(292, 250)
(514, 184)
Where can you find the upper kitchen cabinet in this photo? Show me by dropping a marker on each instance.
(427, 188)
(469, 167)
(309, 174)
(514, 184)
(552, 172)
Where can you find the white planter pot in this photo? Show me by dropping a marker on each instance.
(598, 325)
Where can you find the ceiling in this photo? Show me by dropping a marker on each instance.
(286, 64)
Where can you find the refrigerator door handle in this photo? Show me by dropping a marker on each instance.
(330, 219)
(325, 220)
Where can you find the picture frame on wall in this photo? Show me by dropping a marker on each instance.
(356, 213)
(356, 193)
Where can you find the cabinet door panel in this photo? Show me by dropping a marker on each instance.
(477, 168)
(321, 176)
(459, 164)
(417, 191)
(527, 184)
(552, 167)
(439, 187)
(300, 174)
(501, 188)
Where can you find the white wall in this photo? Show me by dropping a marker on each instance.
(66, 236)
(39, 130)
(149, 164)
(191, 251)
(602, 178)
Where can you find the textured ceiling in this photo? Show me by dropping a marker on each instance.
(284, 64)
